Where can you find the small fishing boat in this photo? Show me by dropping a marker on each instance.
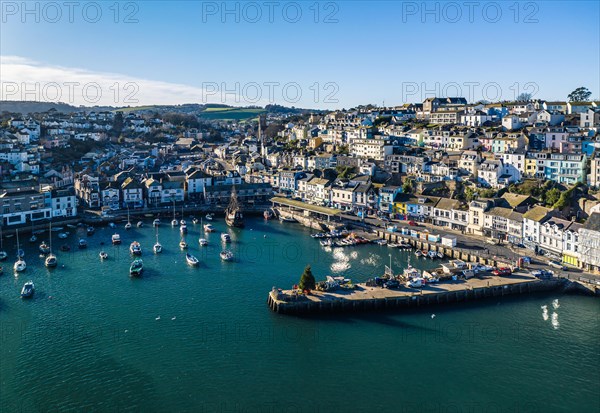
(112, 225)
(3, 254)
(32, 239)
(440, 255)
(136, 268)
(90, 230)
(209, 217)
(194, 220)
(44, 248)
(203, 242)
(28, 290)
(225, 237)
(156, 222)
(174, 222)
(182, 222)
(128, 225)
(432, 254)
(135, 248)
(116, 239)
(63, 235)
(209, 228)
(20, 265)
(103, 255)
(72, 226)
(182, 244)
(286, 219)
(82, 243)
(183, 228)
(139, 224)
(226, 255)
(191, 260)
(418, 253)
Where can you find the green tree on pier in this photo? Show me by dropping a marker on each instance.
(307, 281)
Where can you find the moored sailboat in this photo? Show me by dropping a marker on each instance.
(51, 261)
(157, 248)
(136, 268)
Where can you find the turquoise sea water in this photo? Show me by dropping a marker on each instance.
(203, 339)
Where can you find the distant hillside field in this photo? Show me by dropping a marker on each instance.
(230, 113)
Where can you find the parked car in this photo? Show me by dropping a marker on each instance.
(502, 271)
(413, 224)
(542, 274)
(558, 265)
(391, 284)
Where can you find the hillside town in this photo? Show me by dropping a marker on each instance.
(523, 173)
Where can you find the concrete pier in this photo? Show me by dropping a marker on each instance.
(364, 298)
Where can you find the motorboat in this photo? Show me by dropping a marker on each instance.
(203, 242)
(139, 224)
(156, 222)
(157, 248)
(136, 268)
(182, 222)
(440, 254)
(209, 217)
(418, 253)
(411, 272)
(128, 225)
(287, 219)
(183, 228)
(182, 244)
(226, 255)
(191, 260)
(116, 239)
(28, 290)
(209, 228)
(20, 265)
(432, 254)
(135, 248)
(174, 222)
(103, 255)
(82, 243)
(225, 237)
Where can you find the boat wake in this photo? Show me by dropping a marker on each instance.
(555, 322)
(545, 312)
(555, 304)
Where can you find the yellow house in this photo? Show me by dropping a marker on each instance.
(314, 143)
(530, 166)
(401, 203)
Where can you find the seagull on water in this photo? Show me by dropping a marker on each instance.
(157, 318)
(173, 318)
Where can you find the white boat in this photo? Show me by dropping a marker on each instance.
(156, 222)
(128, 225)
(63, 235)
(28, 290)
(112, 225)
(140, 224)
(194, 220)
(432, 254)
(82, 243)
(287, 219)
(135, 248)
(209, 217)
(20, 265)
(182, 222)
(203, 242)
(418, 253)
(411, 272)
(51, 261)
(209, 228)
(193, 261)
(226, 255)
(116, 239)
(182, 244)
(103, 255)
(157, 247)
(183, 228)
(225, 237)
(440, 254)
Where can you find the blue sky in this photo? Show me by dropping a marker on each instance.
(350, 53)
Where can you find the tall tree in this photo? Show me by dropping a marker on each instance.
(307, 280)
(581, 94)
(524, 97)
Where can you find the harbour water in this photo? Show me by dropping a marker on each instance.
(203, 339)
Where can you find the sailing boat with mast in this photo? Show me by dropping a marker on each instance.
(51, 260)
(233, 213)
(128, 225)
(3, 254)
(33, 236)
(174, 221)
(20, 264)
(157, 248)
